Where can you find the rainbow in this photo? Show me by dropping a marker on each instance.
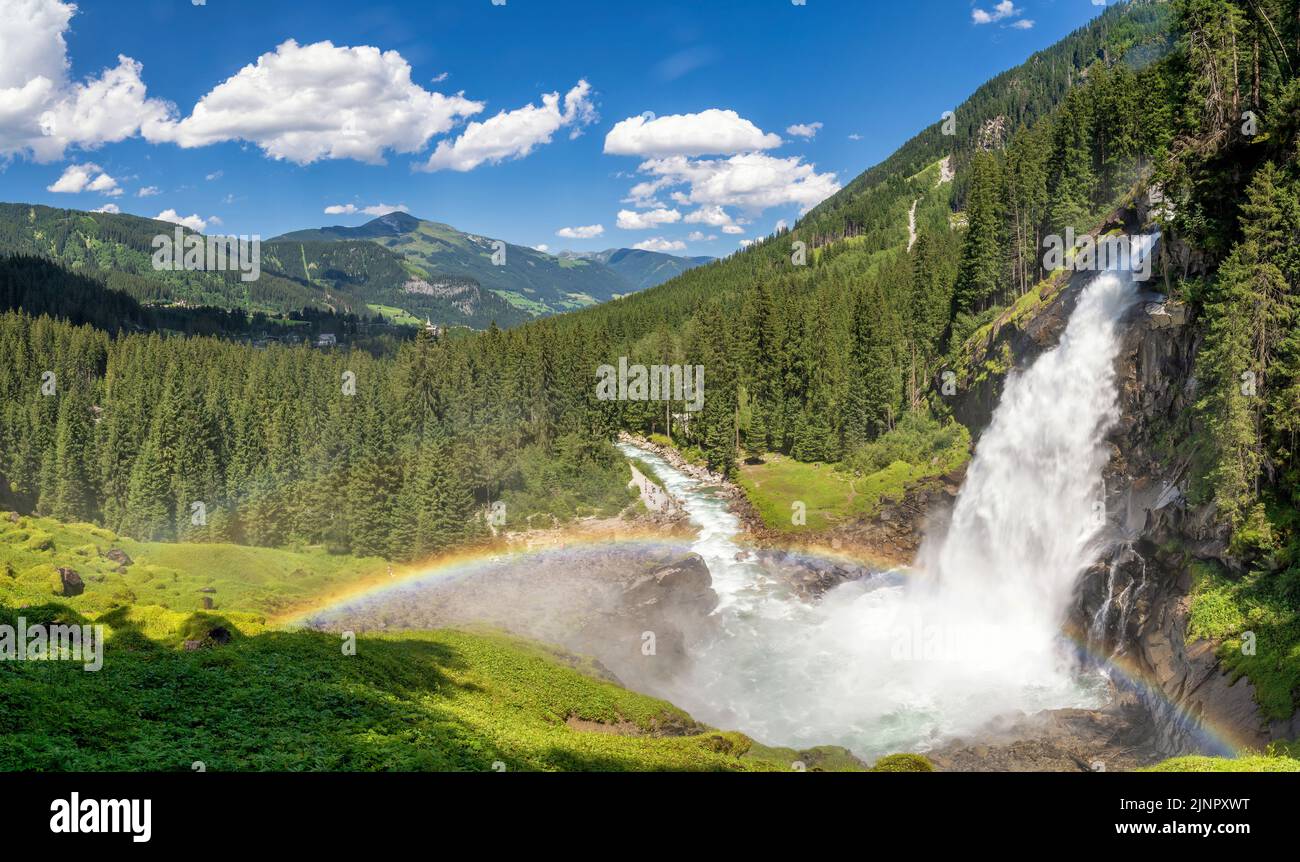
(1123, 672)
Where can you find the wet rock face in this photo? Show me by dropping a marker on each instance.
(1134, 603)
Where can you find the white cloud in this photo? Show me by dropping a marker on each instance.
(642, 195)
(107, 208)
(855, 137)
(147, 192)
(1004, 9)
(746, 243)
(303, 103)
(631, 220)
(514, 134)
(542, 247)
(709, 132)
(193, 222)
(751, 182)
(85, 178)
(373, 209)
(440, 77)
(733, 229)
(661, 244)
(804, 130)
(698, 236)
(215, 175)
(590, 231)
(42, 112)
(1022, 24)
(714, 216)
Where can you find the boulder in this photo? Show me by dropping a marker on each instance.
(71, 581)
(119, 556)
(685, 583)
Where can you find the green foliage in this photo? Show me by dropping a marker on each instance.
(1248, 763)
(1257, 618)
(903, 763)
(294, 701)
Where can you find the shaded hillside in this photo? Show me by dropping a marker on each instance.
(117, 249)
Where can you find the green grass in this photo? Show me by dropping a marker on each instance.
(399, 316)
(271, 699)
(779, 481)
(294, 701)
(917, 450)
(1248, 763)
(1225, 608)
(269, 581)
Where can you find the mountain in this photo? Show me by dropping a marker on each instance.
(529, 280)
(351, 276)
(116, 250)
(388, 283)
(642, 269)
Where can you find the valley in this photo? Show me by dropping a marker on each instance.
(933, 501)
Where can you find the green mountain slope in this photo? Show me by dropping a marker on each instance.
(387, 283)
(116, 249)
(642, 269)
(527, 279)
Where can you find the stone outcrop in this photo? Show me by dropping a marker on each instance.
(71, 582)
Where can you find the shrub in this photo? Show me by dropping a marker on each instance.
(903, 763)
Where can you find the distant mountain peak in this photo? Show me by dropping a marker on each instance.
(397, 222)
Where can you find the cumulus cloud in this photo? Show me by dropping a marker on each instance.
(373, 209)
(804, 130)
(733, 229)
(107, 208)
(632, 220)
(590, 231)
(514, 134)
(85, 178)
(713, 216)
(1004, 9)
(147, 192)
(1022, 24)
(661, 244)
(193, 222)
(751, 182)
(698, 236)
(711, 132)
(303, 103)
(42, 111)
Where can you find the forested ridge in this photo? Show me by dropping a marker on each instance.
(822, 361)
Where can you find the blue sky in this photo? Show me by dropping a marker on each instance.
(699, 103)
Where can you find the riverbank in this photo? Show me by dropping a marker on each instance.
(888, 540)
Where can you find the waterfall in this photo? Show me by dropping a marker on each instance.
(903, 662)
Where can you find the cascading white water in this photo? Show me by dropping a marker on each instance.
(895, 663)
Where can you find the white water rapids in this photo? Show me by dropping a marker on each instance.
(901, 662)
